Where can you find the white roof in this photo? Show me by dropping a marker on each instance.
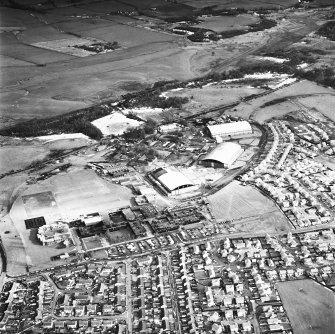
(173, 180)
(229, 128)
(225, 153)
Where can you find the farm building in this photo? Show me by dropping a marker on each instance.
(230, 130)
(223, 155)
(171, 182)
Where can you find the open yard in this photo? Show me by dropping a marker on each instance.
(309, 306)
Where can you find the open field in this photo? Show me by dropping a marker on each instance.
(309, 306)
(18, 157)
(323, 103)
(224, 23)
(18, 154)
(72, 195)
(236, 202)
(248, 4)
(75, 193)
(213, 95)
(48, 82)
(257, 110)
(115, 124)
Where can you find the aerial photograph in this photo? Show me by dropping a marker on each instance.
(167, 167)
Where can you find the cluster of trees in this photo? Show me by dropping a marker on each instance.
(23, 6)
(99, 47)
(80, 120)
(61, 124)
(327, 30)
(324, 76)
(200, 34)
(203, 34)
(134, 134)
(148, 98)
(190, 19)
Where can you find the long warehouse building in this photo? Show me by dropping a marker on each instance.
(230, 130)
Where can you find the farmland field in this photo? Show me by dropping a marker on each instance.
(309, 306)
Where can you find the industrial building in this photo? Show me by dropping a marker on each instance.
(166, 128)
(91, 219)
(54, 233)
(171, 182)
(223, 155)
(230, 130)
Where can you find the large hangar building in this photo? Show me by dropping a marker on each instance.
(223, 155)
(172, 182)
(230, 130)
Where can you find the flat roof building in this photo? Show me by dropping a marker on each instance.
(222, 156)
(230, 130)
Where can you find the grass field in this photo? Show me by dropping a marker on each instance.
(249, 208)
(74, 193)
(248, 4)
(236, 201)
(224, 23)
(309, 306)
(213, 95)
(323, 103)
(303, 89)
(18, 157)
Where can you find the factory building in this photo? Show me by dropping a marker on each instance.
(171, 182)
(223, 155)
(91, 219)
(230, 130)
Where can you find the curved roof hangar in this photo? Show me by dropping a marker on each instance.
(174, 180)
(225, 153)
